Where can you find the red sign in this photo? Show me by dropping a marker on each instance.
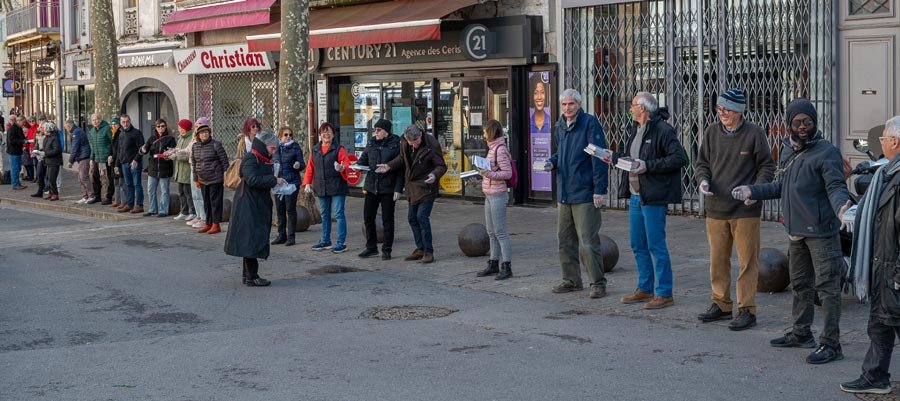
(353, 176)
(217, 59)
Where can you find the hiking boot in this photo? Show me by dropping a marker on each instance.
(428, 257)
(744, 321)
(824, 354)
(791, 340)
(597, 292)
(505, 271)
(493, 267)
(659, 302)
(567, 286)
(636, 297)
(416, 255)
(862, 386)
(368, 253)
(214, 229)
(714, 313)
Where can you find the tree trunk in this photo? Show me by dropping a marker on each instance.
(293, 74)
(106, 72)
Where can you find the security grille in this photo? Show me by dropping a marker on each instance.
(229, 99)
(686, 52)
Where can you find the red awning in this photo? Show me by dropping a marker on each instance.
(220, 16)
(392, 21)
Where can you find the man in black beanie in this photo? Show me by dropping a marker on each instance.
(814, 197)
(381, 189)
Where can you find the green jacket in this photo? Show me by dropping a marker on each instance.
(182, 163)
(101, 142)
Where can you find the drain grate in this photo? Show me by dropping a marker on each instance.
(406, 312)
(334, 269)
(894, 395)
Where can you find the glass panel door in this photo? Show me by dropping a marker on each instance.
(448, 130)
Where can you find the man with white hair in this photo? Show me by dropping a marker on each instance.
(875, 250)
(581, 182)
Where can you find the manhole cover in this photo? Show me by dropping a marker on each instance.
(894, 395)
(334, 269)
(406, 312)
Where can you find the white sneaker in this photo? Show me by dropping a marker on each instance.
(192, 222)
(198, 224)
(190, 217)
(180, 216)
(81, 201)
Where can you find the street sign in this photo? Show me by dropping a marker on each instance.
(353, 176)
(11, 74)
(43, 71)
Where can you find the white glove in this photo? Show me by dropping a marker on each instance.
(396, 196)
(704, 188)
(338, 167)
(848, 219)
(296, 165)
(642, 167)
(430, 179)
(598, 201)
(749, 202)
(548, 166)
(741, 193)
(382, 168)
(308, 189)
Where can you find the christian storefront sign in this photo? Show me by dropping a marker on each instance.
(220, 59)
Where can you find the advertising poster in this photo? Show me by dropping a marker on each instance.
(402, 118)
(540, 120)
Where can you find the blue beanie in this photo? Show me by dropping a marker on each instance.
(734, 100)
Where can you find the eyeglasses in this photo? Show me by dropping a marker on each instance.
(255, 126)
(806, 122)
(288, 134)
(723, 110)
(882, 138)
(161, 126)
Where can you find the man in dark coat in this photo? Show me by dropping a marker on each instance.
(879, 233)
(129, 156)
(380, 189)
(422, 162)
(14, 142)
(251, 218)
(80, 154)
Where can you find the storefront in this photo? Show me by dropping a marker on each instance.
(477, 71)
(151, 88)
(78, 88)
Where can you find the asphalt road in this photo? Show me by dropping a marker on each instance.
(148, 310)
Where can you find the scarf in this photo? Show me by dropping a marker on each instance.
(861, 254)
(260, 157)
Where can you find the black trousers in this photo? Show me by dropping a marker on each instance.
(47, 175)
(110, 182)
(187, 200)
(212, 202)
(370, 210)
(251, 269)
(876, 365)
(286, 212)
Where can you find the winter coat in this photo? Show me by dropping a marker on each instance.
(251, 217)
(286, 156)
(664, 156)
(53, 155)
(579, 176)
(210, 162)
(812, 188)
(320, 171)
(129, 148)
(885, 300)
(100, 139)
(416, 164)
(81, 149)
(15, 140)
(30, 135)
(182, 158)
(494, 182)
(381, 152)
(160, 167)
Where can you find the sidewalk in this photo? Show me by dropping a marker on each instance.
(535, 262)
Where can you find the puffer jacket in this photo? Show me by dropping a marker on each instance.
(494, 182)
(210, 162)
(52, 150)
(158, 166)
(381, 152)
(100, 139)
(81, 149)
(286, 156)
(579, 176)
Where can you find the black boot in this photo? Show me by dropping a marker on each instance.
(38, 194)
(290, 241)
(492, 268)
(245, 279)
(280, 240)
(505, 271)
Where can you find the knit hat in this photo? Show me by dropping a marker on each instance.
(201, 128)
(734, 100)
(798, 106)
(384, 124)
(203, 121)
(114, 120)
(268, 138)
(185, 124)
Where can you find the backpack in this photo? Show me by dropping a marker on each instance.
(514, 178)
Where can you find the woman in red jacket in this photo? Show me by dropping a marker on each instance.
(28, 159)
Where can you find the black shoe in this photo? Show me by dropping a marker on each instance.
(37, 195)
(280, 240)
(493, 267)
(258, 282)
(744, 321)
(109, 202)
(368, 253)
(385, 255)
(289, 242)
(862, 385)
(505, 271)
(824, 354)
(567, 286)
(148, 214)
(714, 313)
(791, 340)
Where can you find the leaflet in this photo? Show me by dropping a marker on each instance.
(481, 162)
(357, 167)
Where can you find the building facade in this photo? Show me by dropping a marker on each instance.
(33, 48)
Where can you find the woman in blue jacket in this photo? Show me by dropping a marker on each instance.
(288, 165)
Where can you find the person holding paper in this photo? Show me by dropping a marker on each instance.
(381, 189)
(496, 197)
(326, 176)
(582, 182)
(159, 169)
(653, 182)
(289, 163)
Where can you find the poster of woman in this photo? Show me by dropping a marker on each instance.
(541, 119)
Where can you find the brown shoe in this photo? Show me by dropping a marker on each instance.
(115, 205)
(20, 187)
(597, 292)
(214, 229)
(205, 228)
(137, 209)
(124, 209)
(428, 257)
(416, 255)
(636, 297)
(659, 303)
(54, 197)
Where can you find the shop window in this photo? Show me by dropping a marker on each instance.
(863, 8)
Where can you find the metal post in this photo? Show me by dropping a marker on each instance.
(700, 119)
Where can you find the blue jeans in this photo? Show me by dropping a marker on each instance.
(419, 217)
(334, 204)
(198, 199)
(648, 237)
(134, 193)
(495, 222)
(163, 203)
(15, 166)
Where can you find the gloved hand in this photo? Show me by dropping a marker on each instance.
(296, 165)
(382, 168)
(338, 167)
(749, 202)
(741, 193)
(308, 189)
(430, 179)
(109, 160)
(848, 219)
(197, 184)
(396, 196)
(642, 167)
(704, 188)
(548, 166)
(598, 201)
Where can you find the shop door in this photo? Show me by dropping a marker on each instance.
(152, 106)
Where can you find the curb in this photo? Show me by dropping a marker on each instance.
(66, 209)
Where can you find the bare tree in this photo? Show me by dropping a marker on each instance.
(106, 72)
(293, 74)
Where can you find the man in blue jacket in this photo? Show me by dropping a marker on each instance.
(581, 182)
(80, 154)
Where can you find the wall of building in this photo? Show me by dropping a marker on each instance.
(176, 83)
